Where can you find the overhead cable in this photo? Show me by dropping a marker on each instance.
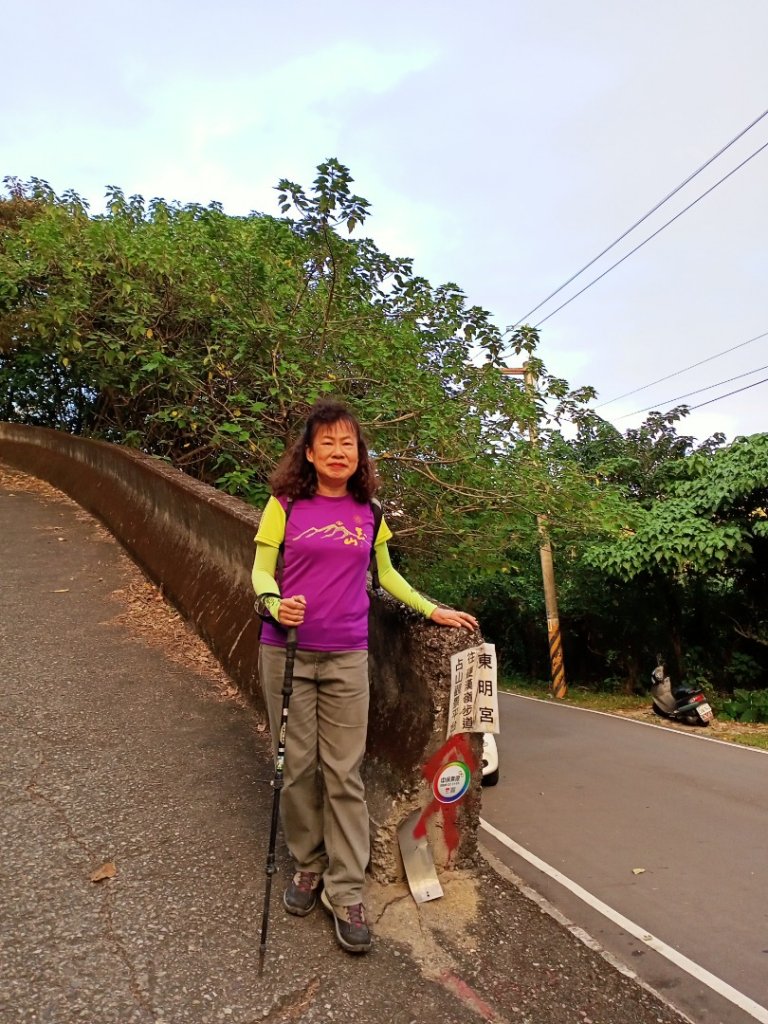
(677, 373)
(643, 218)
(668, 403)
(728, 394)
(650, 237)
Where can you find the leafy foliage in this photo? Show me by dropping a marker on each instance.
(746, 706)
(690, 566)
(203, 338)
(710, 518)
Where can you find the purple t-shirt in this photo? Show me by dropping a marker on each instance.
(326, 558)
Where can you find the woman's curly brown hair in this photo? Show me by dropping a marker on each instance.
(295, 477)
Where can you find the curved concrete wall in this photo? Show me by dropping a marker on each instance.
(197, 543)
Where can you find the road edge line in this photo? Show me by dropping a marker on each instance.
(701, 974)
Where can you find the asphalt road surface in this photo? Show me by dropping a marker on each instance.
(596, 798)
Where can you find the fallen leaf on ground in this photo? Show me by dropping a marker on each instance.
(64, 590)
(638, 871)
(107, 870)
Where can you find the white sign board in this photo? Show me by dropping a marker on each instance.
(474, 698)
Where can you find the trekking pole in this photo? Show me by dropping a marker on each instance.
(277, 785)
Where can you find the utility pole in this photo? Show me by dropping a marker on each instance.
(559, 687)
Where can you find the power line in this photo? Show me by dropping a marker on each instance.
(666, 404)
(648, 239)
(677, 373)
(643, 218)
(729, 393)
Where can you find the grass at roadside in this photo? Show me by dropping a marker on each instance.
(759, 740)
(577, 695)
(638, 706)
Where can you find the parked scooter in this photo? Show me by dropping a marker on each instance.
(680, 703)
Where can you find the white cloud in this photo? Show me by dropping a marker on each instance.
(225, 138)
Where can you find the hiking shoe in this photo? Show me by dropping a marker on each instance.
(352, 931)
(300, 895)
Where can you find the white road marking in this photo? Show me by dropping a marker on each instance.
(636, 721)
(701, 974)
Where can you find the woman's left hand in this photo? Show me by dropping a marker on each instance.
(449, 617)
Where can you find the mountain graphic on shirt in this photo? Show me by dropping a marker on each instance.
(335, 531)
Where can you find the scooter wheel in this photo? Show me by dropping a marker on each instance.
(657, 711)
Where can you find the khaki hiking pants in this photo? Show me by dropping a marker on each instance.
(324, 814)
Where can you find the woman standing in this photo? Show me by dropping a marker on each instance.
(321, 518)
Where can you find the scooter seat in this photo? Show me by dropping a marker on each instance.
(683, 692)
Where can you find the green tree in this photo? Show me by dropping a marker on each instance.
(203, 338)
(698, 549)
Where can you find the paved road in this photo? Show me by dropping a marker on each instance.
(596, 796)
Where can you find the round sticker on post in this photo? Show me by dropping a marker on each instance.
(451, 782)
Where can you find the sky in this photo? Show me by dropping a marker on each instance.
(503, 144)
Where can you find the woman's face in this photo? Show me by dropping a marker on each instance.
(334, 454)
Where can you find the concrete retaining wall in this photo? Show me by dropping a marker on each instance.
(197, 543)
